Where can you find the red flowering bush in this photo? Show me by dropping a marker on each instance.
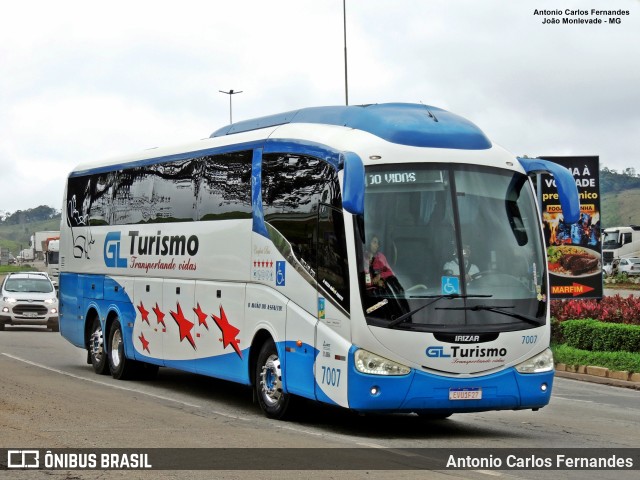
(611, 309)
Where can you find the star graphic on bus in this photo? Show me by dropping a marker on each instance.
(145, 343)
(159, 315)
(184, 325)
(145, 314)
(229, 332)
(202, 317)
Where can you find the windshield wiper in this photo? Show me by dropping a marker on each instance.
(404, 316)
(500, 310)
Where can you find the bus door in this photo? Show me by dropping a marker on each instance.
(333, 330)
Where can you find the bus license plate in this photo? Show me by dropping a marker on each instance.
(472, 393)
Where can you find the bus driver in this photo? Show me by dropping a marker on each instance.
(452, 267)
(378, 267)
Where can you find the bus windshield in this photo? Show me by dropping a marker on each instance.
(451, 248)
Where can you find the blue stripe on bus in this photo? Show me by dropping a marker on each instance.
(401, 123)
(228, 366)
(256, 194)
(298, 368)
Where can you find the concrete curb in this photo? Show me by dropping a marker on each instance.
(600, 375)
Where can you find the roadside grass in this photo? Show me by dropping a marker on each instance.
(620, 361)
(4, 269)
(622, 282)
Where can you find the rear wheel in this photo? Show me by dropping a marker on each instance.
(97, 353)
(273, 401)
(120, 366)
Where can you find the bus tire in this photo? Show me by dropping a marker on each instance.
(97, 351)
(273, 401)
(120, 366)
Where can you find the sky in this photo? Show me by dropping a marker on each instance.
(83, 81)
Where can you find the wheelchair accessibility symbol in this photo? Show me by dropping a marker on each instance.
(450, 285)
(280, 274)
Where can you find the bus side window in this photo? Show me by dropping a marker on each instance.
(293, 188)
(163, 192)
(225, 189)
(101, 198)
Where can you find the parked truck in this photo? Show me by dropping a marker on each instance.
(51, 258)
(620, 242)
(39, 240)
(26, 255)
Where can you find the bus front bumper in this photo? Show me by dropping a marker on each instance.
(422, 392)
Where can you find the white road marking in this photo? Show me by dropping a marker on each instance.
(118, 387)
(181, 402)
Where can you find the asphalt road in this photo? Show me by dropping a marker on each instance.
(622, 292)
(50, 398)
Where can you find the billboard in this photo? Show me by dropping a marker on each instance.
(573, 250)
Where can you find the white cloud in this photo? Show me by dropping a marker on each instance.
(80, 82)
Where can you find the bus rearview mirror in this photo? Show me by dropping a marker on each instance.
(353, 184)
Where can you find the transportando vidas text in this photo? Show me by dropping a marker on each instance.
(162, 245)
(581, 17)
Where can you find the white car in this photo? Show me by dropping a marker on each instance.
(630, 266)
(29, 299)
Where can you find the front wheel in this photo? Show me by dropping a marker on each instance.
(120, 366)
(273, 401)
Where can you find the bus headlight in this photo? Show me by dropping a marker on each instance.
(367, 362)
(543, 362)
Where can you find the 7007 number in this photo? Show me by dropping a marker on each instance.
(331, 376)
(529, 339)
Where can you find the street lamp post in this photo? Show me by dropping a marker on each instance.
(346, 84)
(230, 93)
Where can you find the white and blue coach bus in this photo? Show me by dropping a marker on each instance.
(309, 254)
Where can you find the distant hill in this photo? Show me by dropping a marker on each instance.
(17, 228)
(620, 208)
(37, 214)
(613, 182)
(620, 198)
